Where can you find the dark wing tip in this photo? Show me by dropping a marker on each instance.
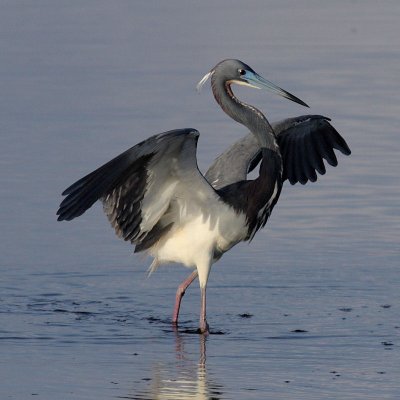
(346, 150)
(62, 217)
(305, 144)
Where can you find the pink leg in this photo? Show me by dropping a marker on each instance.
(203, 319)
(179, 294)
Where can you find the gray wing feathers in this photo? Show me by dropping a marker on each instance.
(304, 143)
(85, 192)
(232, 165)
(138, 187)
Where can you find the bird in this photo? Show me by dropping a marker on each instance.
(155, 196)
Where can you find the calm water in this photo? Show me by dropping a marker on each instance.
(309, 310)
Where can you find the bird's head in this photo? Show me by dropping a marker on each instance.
(231, 71)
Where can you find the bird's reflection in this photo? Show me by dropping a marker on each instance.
(183, 379)
(181, 354)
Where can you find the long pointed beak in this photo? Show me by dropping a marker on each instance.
(257, 81)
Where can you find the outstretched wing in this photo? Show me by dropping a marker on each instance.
(304, 142)
(138, 187)
(233, 164)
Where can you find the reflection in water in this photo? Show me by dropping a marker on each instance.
(184, 379)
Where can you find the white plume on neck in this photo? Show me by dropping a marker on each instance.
(203, 80)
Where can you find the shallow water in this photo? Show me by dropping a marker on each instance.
(308, 310)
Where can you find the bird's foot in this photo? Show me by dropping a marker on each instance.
(175, 326)
(204, 328)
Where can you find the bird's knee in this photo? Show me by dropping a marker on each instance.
(180, 292)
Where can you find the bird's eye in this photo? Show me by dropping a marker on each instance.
(242, 71)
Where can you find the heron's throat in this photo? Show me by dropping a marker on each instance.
(245, 114)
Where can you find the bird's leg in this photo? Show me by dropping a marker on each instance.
(203, 321)
(179, 294)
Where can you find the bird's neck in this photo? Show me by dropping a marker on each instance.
(245, 114)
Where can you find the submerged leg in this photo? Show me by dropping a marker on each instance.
(179, 294)
(203, 320)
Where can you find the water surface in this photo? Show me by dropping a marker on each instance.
(308, 310)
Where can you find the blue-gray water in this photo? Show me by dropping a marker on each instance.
(309, 310)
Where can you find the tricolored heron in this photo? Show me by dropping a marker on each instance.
(156, 198)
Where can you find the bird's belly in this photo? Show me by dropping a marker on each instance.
(199, 240)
